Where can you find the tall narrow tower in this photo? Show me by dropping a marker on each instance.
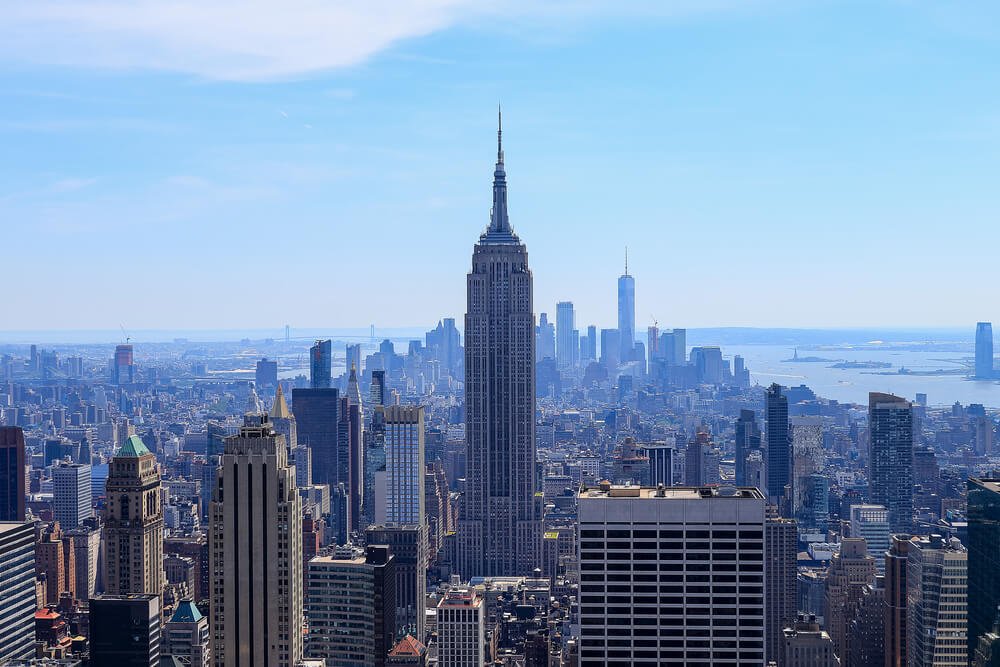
(255, 549)
(499, 532)
(626, 314)
(133, 524)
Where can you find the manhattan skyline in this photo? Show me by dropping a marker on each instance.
(727, 144)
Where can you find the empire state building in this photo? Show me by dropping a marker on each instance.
(500, 520)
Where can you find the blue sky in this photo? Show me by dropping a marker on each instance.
(225, 165)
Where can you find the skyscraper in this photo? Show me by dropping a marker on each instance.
(256, 552)
(936, 604)
(984, 557)
(133, 523)
(11, 473)
(890, 478)
(653, 591)
(895, 600)
(545, 334)
(404, 463)
(566, 349)
(71, 495)
(266, 376)
(499, 532)
(626, 314)
(320, 364)
(984, 350)
(780, 581)
(17, 591)
(317, 415)
(747, 440)
(779, 444)
(123, 366)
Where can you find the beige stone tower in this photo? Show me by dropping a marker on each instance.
(133, 523)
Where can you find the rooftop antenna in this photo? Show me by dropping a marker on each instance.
(626, 260)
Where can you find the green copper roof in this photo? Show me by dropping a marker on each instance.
(134, 447)
(186, 612)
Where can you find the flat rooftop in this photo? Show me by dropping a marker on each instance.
(672, 492)
(991, 484)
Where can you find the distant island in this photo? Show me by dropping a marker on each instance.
(862, 364)
(796, 359)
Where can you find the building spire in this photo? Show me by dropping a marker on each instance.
(626, 260)
(498, 216)
(499, 135)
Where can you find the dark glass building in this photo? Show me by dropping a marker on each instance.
(125, 630)
(320, 364)
(747, 440)
(779, 444)
(11, 474)
(984, 557)
(317, 417)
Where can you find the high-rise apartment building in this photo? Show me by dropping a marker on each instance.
(626, 314)
(781, 582)
(461, 622)
(890, 478)
(871, 522)
(779, 444)
(566, 349)
(983, 515)
(17, 591)
(404, 463)
(187, 637)
(611, 352)
(984, 351)
(500, 530)
(133, 522)
(351, 608)
(850, 571)
(125, 630)
(255, 547)
(936, 610)
(320, 364)
(71, 494)
(671, 576)
(747, 440)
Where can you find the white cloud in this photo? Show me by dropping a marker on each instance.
(223, 39)
(268, 39)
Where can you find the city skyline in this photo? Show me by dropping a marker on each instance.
(843, 147)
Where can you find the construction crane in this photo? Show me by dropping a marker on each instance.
(124, 335)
